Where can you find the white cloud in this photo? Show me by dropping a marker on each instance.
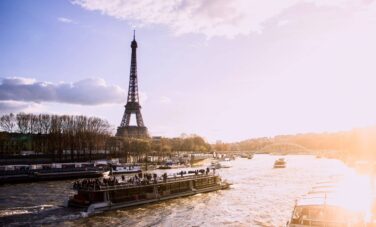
(65, 20)
(17, 106)
(209, 17)
(92, 91)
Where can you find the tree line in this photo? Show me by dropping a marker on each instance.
(82, 138)
(59, 136)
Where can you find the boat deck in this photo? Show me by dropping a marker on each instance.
(120, 186)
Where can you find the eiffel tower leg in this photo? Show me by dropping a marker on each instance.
(126, 119)
(140, 121)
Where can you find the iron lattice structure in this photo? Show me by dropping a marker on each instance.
(133, 105)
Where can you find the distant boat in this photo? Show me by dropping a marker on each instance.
(280, 163)
(172, 166)
(244, 155)
(124, 169)
(218, 165)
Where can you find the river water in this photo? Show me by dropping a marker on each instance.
(259, 196)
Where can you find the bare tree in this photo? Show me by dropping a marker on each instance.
(8, 122)
(23, 122)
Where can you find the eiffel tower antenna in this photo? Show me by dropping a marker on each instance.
(133, 106)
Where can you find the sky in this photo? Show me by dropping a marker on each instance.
(226, 70)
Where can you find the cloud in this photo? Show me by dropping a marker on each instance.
(17, 106)
(65, 20)
(209, 17)
(92, 91)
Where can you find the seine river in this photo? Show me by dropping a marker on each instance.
(259, 196)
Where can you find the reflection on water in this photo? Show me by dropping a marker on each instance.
(259, 196)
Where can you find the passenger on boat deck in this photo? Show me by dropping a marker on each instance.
(164, 177)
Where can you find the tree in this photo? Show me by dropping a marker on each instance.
(8, 122)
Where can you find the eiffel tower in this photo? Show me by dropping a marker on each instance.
(133, 105)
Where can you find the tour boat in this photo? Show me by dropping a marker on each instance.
(96, 196)
(280, 163)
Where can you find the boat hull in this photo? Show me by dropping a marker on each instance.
(106, 206)
(96, 197)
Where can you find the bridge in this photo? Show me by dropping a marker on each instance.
(284, 147)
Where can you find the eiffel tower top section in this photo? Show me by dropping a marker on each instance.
(133, 83)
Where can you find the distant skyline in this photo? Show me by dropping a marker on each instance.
(226, 70)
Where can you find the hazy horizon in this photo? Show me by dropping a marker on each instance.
(225, 70)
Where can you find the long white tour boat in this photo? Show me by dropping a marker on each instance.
(108, 194)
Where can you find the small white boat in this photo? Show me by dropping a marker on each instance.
(218, 165)
(280, 163)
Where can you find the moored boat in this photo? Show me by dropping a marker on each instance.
(217, 165)
(125, 169)
(99, 195)
(47, 172)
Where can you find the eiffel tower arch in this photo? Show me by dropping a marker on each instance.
(133, 106)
